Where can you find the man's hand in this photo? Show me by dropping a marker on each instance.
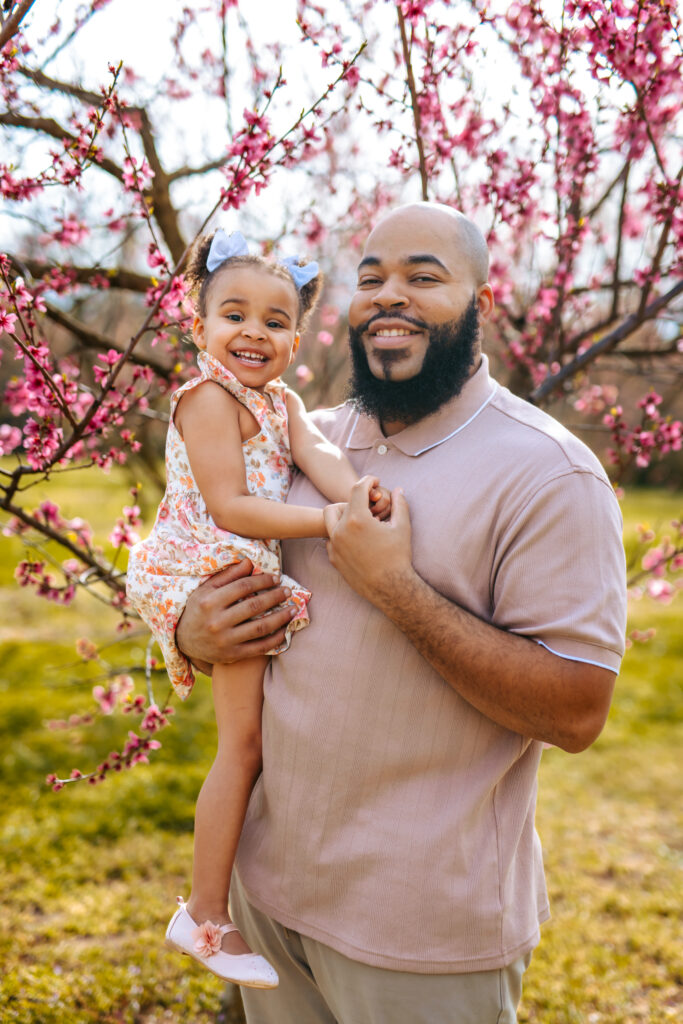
(372, 556)
(218, 624)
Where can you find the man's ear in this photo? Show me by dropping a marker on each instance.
(485, 301)
(295, 345)
(198, 332)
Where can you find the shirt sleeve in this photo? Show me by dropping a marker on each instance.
(559, 576)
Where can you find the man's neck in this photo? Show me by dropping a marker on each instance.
(390, 427)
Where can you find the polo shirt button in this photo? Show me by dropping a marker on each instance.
(382, 449)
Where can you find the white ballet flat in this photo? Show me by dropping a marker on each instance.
(202, 943)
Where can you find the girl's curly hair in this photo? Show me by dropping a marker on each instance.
(200, 279)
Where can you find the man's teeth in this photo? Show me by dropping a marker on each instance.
(395, 332)
(251, 357)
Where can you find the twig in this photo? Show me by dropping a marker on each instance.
(416, 110)
(13, 22)
(609, 341)
(92, 339)
(104, 572)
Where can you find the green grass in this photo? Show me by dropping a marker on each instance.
(92, 872)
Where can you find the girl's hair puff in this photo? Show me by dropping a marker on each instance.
(200, 278)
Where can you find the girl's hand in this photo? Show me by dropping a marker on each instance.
(332, 513)
(374, 558)
(380, 502)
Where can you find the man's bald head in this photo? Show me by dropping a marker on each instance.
(447, 223)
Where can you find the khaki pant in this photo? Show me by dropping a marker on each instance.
(318, 985)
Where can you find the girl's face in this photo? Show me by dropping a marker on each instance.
(250, 324)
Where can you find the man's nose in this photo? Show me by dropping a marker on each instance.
(390, 294)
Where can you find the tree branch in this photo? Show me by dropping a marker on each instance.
(100, 342)
(188, 172)
(104, 572)
(608, 191)
(39, 78)
(661, 246)
(13, 22)
(127, 280)
(52, 128)
(620, 236)
(413, 98)
(609, 341)
(164, 212)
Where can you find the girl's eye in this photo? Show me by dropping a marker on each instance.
(274, 324)
(235, 317)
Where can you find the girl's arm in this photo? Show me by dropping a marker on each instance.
(323, 463)
(208, 419)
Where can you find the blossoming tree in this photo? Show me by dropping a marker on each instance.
(553, 124)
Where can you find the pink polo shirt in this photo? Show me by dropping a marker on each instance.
(393, 821)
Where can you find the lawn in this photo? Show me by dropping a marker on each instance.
(92, 872)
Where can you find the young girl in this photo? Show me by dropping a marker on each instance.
(234, 433)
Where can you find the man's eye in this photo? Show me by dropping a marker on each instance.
(421, 278)
(369, 282)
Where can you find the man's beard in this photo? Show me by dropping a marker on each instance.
(446, 368)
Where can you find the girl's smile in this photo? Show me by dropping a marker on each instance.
(250, 324)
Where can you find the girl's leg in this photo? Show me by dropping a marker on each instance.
(223, 799)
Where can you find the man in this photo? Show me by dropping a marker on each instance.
(389, 867)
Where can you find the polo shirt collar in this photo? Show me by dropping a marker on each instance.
(452, 417)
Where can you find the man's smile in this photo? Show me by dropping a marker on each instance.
(389, 331)
(394, 333)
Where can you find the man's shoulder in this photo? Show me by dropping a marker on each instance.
(334, 422)
(528, 429)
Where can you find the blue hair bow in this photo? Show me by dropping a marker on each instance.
(224, 247)
(301, 275)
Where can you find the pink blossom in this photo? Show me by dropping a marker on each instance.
(154, 719)
(86, 649)
(351, 75)
(304, 374)
(325, 338)
(10, 438)
(7, 321)
(105, 698)
(117, 692)
(661, 590)
(123, 535)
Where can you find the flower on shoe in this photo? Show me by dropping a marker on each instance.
(207, 939)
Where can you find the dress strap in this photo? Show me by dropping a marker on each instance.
(212, 369)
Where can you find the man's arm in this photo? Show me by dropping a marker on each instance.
(512, 680)
(218, 624)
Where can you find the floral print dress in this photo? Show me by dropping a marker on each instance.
(185, 546)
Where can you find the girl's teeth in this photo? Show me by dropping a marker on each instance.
(251, 358)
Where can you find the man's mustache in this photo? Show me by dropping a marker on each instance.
(362, 328)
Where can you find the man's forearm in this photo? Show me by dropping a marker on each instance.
(510, 679)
